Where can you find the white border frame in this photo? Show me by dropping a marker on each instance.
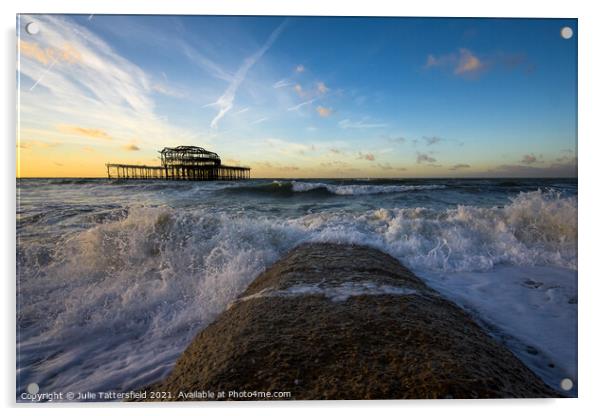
(590, 29)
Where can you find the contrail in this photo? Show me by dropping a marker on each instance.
(43, 74)
(226, 101)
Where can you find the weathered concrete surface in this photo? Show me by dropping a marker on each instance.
(294, 330)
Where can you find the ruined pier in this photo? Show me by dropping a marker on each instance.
(184, 163)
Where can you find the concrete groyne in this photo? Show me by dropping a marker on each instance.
(334, 321)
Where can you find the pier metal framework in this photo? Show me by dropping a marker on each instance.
(181, 163)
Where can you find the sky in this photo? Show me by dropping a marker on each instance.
(325, 97)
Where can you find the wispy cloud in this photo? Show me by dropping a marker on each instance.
(529, 159)
(30, 144)
(259, 120)
(395, 139)
(83, 131)
(131, 148)
(203, 62)
(322, 88)
(362, 124)
(167, 90)
(282, 83)
(568, 169)
(388, 166)
(300, 68)
(279, 167)
(431, 140)
(460, 166)
(289, 148)
(241, 111)
(467, 62)
(299, 90)
(366, 156)
(462, 62)
(65, 53)
(424, 158)
(99, 92)
(324, 111)
(334, 164)
(226, 101)
(301, 105)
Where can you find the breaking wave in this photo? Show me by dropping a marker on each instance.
(286, 188)
(126, 295)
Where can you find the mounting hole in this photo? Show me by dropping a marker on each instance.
(566, 384)
(33, 388)
(32, 28)
(566, 32)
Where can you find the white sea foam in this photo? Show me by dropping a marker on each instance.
(536, 228)
(338, 293)
(111, 307)
(533, 310)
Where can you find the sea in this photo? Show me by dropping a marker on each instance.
(115, 277)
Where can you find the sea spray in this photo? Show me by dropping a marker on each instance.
(110, 293)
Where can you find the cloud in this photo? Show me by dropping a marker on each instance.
(226, 101)
(362, 124)
(299, 90)
(334, 164)
(423, 157)
(446, 60)
(311, 96)
(289, 148)
(83, 131)
(164, 89)
(463, 62)
(366, 156)
(529, 159)
(241, 111)
(513, 61)
(566, 159)
(324, 111)
(200, 60)
(131, 148)
(100, 93)
(467, 62)
(432, 140)
(282, 83)
(66, 53)
(269, 165)
(300, 68)
(30, 144)
(554, 170)
(398, 139)
(300, 105)
(322, 88)
(459, 166)
(259, 120)
(33, 50)
(431, 61)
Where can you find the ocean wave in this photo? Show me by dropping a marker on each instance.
(286, 188)
(132, 292)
